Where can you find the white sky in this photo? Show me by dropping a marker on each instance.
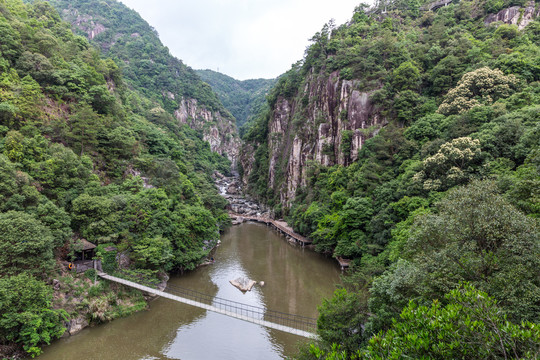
(245, 39)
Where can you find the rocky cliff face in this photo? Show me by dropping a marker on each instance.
(161, 76)
(219, 131)
(515, 15)
(326, 123)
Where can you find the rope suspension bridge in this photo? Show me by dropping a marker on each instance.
(293, 324)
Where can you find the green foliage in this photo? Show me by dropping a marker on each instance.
(482, 86)
(27, 317)
(244, 99)
(470, 325)
(83, 154)
(406, 77)
(107, 257)
(26, 245)
(153, 253)
(341, 320)
(455, 163)
(475, 236)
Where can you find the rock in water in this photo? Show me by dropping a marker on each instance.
(243, 284)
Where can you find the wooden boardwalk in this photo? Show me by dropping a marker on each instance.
(344, 263)
(215, 309)
(286, 230)
(279, 225)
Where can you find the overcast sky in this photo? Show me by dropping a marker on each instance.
(245, 39)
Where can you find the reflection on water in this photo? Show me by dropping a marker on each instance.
(295, 282)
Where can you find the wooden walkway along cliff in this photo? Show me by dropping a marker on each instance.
(279, 225)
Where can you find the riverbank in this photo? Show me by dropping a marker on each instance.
(296, 281)
(242, 208)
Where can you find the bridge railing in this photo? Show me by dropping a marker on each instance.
(290, 320)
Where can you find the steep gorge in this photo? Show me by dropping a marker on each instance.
(327, 122)
(149, 68)
(325, 108)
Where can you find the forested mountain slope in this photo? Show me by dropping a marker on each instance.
(149, 67)
(407, 140)
(82, 155)
(244, 99)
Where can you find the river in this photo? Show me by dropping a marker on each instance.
(296, 280)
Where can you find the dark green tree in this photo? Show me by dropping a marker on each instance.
(26, 246)
(26, 314)
(470, 326)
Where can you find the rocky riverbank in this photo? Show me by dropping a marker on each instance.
(239, 203)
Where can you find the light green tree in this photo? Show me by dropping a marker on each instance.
(455, 163)
(26, 313)
(482, 86)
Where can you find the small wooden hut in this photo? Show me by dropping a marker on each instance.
(84, 250)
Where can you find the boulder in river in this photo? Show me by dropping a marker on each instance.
(243, 284)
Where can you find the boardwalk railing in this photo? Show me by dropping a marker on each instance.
(277, 225)
(289, 320)
(293, 324)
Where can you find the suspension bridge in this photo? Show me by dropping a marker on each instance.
(289, 323)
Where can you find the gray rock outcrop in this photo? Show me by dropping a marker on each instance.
(515, 15)
(243, 284)
(326, 123)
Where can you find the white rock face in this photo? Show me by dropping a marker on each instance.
(77, 324)
(313, 131)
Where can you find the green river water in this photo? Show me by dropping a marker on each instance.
(296, 281)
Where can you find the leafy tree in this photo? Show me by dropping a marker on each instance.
(26, 246)
(470, 325)
(85, 124)
(13, 146)
(154, 253)
(406, 77)
(475, 236)
(482, 86)
(341, 320)
(406, 105)
(11, 39)
(26, 313)
(455, 163)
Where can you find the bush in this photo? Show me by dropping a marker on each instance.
(27, 316)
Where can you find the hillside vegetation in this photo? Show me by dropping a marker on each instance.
(150, 69)
(84, 155)
(244, 99)
(147, 65)
(438, 210)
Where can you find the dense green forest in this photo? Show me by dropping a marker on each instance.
(244, 99)
(134, 45)
(84, 155)
(439, 214)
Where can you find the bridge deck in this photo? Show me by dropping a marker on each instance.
(269, 324)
